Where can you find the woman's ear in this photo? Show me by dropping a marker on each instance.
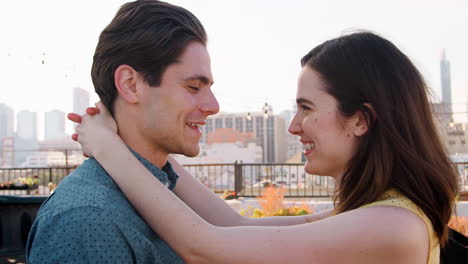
(361, 127)
(125, 78)
(363, 120)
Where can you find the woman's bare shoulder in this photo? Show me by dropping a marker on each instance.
(379, 234)
(394, 232)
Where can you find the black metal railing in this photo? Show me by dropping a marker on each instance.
(250, 179)
(8, 177)
(243, 179)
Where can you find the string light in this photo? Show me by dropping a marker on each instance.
(265, 111)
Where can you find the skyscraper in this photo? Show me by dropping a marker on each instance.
(27, 125)
(446, 86)
(6, 121)
(54, 124)
(269, 131)
(80, 100)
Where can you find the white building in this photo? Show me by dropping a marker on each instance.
(269, 131)
(217, 153)
(54, 124)
(81, 100)
(293, 145)
(52, 159)
(6, 121)
(27, 125)
(456, 139)
(224, 153)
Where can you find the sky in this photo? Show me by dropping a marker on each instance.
(255, 46)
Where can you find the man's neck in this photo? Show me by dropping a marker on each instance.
(134, 140)
(152, 155)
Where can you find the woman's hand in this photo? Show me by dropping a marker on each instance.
(96, 129)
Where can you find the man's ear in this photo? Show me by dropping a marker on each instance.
(125, 78)
(363, 120)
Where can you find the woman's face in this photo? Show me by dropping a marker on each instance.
(329, 140)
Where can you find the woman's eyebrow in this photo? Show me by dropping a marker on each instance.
(301, 100)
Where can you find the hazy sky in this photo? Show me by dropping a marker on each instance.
(255, 45)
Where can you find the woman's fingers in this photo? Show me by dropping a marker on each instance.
(77, 119)
(106, 116)
(74, 118)
(100, 106)
(92, 111)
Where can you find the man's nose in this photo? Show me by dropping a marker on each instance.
(210, 105)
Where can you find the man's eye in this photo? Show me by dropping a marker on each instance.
(194, 88)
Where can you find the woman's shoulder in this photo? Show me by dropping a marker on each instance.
(383, 233)
(396, 221)
(410, 228)
(394, 229)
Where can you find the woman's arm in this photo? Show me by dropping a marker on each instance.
(362, 236)
(349, 238)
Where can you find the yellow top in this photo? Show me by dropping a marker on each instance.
(394, 198)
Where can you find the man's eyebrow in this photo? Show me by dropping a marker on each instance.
(201, 78)
(301, 100)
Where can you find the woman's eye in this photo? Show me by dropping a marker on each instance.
(304, 108)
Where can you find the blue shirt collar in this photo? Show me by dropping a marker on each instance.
(166, 175)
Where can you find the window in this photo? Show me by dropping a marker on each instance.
(218, 123)
(249, 125)
(239, 125)
(228, 123)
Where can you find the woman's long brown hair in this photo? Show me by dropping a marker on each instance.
(402, 149)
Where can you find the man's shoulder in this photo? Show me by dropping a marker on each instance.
(87, 211)
(88, 186)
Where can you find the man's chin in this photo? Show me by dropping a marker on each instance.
(191, 155)
(192, 152)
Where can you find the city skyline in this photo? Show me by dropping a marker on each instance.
(255, 59)
(80, 99)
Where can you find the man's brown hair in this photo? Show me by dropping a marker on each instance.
(147, 35)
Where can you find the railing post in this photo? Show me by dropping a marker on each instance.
(66, 157)
(237, 178)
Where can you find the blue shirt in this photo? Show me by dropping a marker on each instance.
(89, 220)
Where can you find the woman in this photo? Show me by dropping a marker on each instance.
(364, 119)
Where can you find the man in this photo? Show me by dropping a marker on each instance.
(151, 69)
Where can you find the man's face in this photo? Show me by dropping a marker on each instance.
(173, 113)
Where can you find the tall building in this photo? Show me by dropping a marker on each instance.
(269, 131)
(27, 125)
(7, 153)
(54, 124)
(293, 145)
(80, 100)
(466, 116)
(6, 121)
(446, 86)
